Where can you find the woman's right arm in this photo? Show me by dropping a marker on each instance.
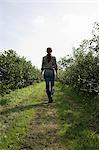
(55, 64)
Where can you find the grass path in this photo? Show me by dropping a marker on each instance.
(44, 130)
(28, 122)
(15, 116)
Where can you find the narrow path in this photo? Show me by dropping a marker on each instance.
(28, 122)
(43, 130)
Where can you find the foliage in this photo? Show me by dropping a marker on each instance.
(16, 72)
(82, 69)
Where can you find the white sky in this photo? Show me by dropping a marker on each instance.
(30, 26)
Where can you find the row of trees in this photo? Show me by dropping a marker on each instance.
(81, 70)
(16, 72)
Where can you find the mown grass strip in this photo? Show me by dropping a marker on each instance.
(16, 118)
(18, 95)
(77, 119)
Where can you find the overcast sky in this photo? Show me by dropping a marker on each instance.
(30, 26)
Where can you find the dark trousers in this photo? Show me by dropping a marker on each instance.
(49, 79)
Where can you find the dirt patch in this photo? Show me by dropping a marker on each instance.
(43, 130)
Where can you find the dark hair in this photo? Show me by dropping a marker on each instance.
(49, 50)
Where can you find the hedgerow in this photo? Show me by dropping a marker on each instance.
(16, 72)
(81, 71)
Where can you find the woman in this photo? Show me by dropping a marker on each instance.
(49, 67)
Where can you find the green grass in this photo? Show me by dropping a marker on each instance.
(20, 107)
(78, 118)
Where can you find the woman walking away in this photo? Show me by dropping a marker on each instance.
(49, 68)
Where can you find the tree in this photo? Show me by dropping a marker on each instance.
(81, 71)
(16, 72)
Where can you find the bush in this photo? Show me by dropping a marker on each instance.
(81, 71)
(16, 72)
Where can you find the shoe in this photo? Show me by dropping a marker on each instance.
(50, 100)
